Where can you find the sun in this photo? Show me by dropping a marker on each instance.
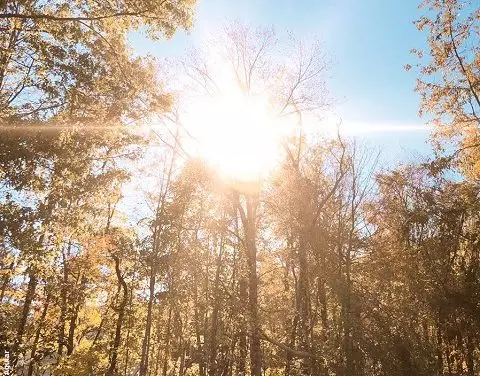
(236, 134)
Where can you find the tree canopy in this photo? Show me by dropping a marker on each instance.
(325, 265)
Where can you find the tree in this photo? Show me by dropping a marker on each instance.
(71, 60)
(424, 222)
(449, 82)
(293, 87)
(66, 74)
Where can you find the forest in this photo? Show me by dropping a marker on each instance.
(182, 218)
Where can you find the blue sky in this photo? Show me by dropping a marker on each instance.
(368, 42)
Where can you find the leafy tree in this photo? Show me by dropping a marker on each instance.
(449, 82)
(71, 60)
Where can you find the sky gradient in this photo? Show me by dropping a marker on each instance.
(368, 43)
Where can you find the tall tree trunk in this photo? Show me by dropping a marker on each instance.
(63, 306)
(160, 208)
(37, 336)
(439, 350)
(249, 225)
(129, 328)
(167, 342)
(29, 297)
(148, 324)
(242, 343)
(159, 212)
(121, 314)
(347, 324)
(303, 307)
(322, 292)
(31, 288)
(201, 358)
(181, 371)
(158, 358)
(470, 355)
(215, 309)
(449, 358)
(71, 329)
(293, 336)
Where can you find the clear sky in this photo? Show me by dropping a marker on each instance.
(368, 42)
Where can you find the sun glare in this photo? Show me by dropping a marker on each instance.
(236, 134)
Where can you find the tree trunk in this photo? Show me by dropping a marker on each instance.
(127, 354)
(439, 350)
(148, 324)
(215, 309)
(29, 297)
(167, 342)
(347, 324)
(63, 306)
(121, 314)
(303, 307)
(181, 371)
(470, 355)
(249, 224)
(293, 336)
(158, 358)
(153, 272)
(322, 291)
(201, 360)
(37, 336)
(242, 343)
